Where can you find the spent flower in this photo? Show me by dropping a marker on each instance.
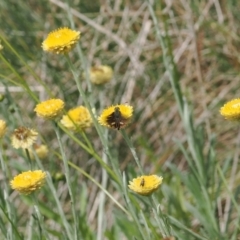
(23, 137)
(145, 185)
(28, 182)
(62, 40)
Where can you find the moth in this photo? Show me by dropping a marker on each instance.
(116, 120)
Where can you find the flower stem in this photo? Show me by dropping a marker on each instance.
(97, 126)
(42, 231)
(66, 169)
(56, 197)
(29, 159)
(6, 188)
(100, 186)
(133, 151)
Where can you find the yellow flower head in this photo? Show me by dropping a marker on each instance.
(28, 182)
(58, 176)
(77, 118)
(231, 110)
(145, 185)
(3, 128)
(41, 151)
(62, 40)
(50, 109)
(116, 116)
(101, 74)
(23, 137)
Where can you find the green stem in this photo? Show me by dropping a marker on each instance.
(67, 174)
(86, 140)
(236, 205)
(100, 186)
(94, 154)
(56, 197)
(23, 84)
(6, 187)
(102, 198)
(42, 231)
(29, 69)
(132, 210)
(29, 159)
(163, 225)
(97, 126)
(168, 59)
(133, 151)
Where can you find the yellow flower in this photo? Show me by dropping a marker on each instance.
(62, 40)
(101, 74)
(116, 116)
(50, 109)
(145, 185)
(28, 182)
(2, 96)
(231, 110)
(58, 176)
(23, 137)
(3, 128)
(41, 151)
(77, 118)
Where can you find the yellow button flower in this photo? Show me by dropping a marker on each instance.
(28, 182)
(116, 116)
(3, 128)
(145, 185)
(23, 137)
(101, 74)
(62, 40)
(40, 150)
(77, 118)
(1, 47)
(231, 110)
(50, 109)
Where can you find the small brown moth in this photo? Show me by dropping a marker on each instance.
(116, 120)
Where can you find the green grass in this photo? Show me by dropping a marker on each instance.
(176, 64)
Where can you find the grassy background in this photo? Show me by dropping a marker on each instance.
(176, 129)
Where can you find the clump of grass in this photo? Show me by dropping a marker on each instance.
(170, 65)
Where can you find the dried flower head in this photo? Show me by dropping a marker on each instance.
(3, 128)
(116, 116)
(231, 110)
(23, 137)
(40, 150)
(50, 109)
(62, 40)
(101, 74)
(145, 185)
(77, 118)
(28, 182)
